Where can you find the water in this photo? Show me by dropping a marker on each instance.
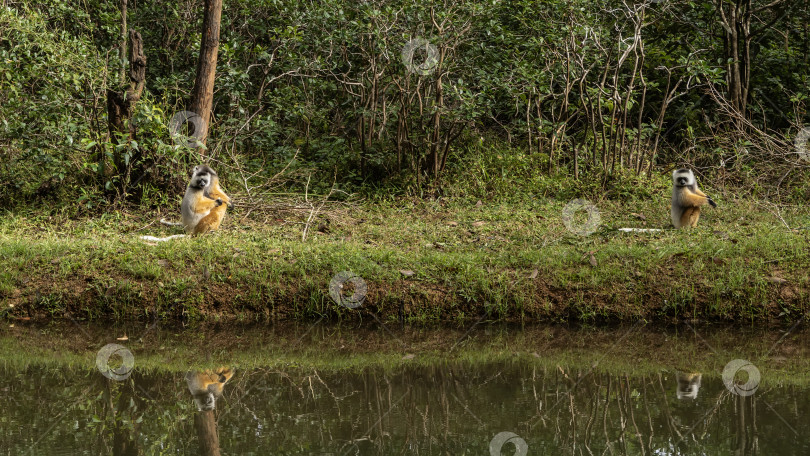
(383, 391)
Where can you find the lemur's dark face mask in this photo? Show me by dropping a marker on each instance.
(205, 401)
(201, 181)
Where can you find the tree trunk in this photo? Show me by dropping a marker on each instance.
(121, 105)
(203, 93)
(432, 161)
(206, 426)
(122, 50)
(735, 18)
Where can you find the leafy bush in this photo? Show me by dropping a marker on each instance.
(605, 91)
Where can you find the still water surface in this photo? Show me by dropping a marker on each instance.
(544, 391)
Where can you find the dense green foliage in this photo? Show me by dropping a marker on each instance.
(328, 89)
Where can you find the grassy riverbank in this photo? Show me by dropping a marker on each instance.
(635, 349)
(452, 260)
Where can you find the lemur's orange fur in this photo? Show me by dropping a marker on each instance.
(693, 200)
(206, 386)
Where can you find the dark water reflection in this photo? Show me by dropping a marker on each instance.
(453, 408)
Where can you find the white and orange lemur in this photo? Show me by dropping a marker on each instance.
(687, 199)
(207, 386)
(203, 207)
(204, 203)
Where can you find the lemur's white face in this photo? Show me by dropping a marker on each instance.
(200, 180)
(683, 177)
(202, 176)
(688, 386)
(205, 401)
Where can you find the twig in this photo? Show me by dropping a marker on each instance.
(146, 226)
(778, 214)
(313, 212)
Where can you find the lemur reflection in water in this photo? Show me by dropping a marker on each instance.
(206, 386)
(688, 384)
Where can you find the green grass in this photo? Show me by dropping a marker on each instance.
(469, 261)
